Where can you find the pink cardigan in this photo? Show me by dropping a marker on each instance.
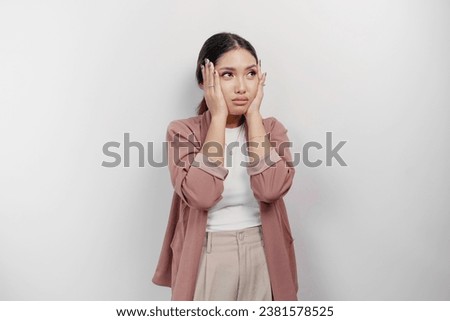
(198, 187)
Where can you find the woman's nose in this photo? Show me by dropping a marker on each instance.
(240, 86)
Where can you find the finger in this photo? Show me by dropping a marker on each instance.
(217, 87)
(261, 84)
(203, 76)
(259, 70)
(264, 79)
(212, 78)
(207, 77)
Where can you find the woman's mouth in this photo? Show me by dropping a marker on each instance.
(240, 102)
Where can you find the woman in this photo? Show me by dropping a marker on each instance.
(228, 235)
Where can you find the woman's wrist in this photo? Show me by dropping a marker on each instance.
(219, 119)
(255, 116)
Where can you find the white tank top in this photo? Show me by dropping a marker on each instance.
(238, 209)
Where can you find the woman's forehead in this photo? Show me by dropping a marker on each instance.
(236, 59)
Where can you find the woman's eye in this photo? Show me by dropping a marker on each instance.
(253, 73)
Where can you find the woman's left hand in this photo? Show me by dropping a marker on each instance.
(256, 103)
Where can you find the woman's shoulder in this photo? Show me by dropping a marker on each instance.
(182, 124)
(273, 124)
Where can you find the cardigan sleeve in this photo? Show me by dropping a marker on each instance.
(196, 180)
(272, 175)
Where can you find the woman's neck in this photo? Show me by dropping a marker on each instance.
(234, 121)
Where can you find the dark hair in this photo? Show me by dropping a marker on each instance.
(213, 48)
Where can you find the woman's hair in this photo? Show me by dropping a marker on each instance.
(213, 48)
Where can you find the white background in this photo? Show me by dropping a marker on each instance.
(75, 75)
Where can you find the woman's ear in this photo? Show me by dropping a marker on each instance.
(201, 86)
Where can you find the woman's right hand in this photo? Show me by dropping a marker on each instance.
(213, 91)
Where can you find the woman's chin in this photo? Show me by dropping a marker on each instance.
(237, 110)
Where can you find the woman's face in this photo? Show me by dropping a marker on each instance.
(238, 75)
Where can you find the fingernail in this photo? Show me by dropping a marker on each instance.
(206, 60)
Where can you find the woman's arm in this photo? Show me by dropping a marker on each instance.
(195, 178)
(197, 172)
(214, 143)
(272, 174)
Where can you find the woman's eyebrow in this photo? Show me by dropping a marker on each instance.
(233, 69)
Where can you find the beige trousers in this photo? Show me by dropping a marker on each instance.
(233, 267)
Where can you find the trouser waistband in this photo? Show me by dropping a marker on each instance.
(225, 238)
